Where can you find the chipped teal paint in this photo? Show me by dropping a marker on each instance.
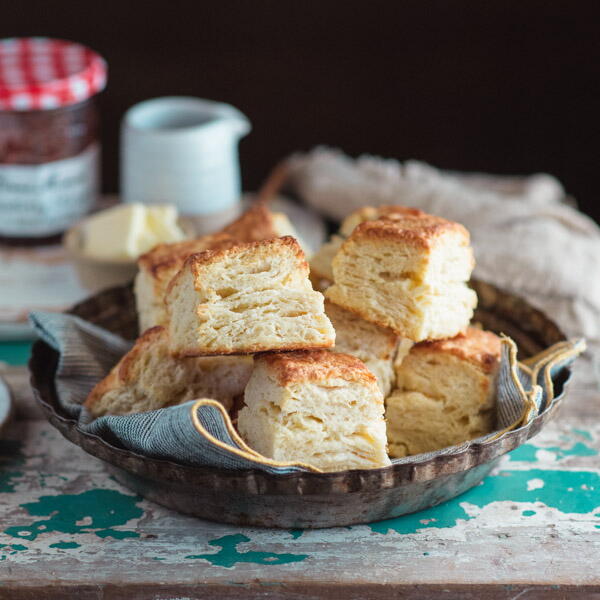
(578, 449)
(296, 533)
(229, 555)
(528, 513)
(105, 508)
(7, 483)
(524, 453)
(439, 517)
(18, 547)
(10, 549)
(583, 433)
(43, 476)
(566, 491)
(117, 534)
(65, 545)
(15, 547)
(527, 452)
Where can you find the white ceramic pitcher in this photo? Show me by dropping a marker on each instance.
(184, 151)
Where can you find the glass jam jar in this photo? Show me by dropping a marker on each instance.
(49, 137)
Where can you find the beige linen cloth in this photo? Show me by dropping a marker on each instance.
(527, 239)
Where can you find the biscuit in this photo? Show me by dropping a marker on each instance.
(375, 346)
(249, 298)
(319, 408)
(375, 213)
(407, 273)
(445, 393)
(148, 378)
(158, 266)
(321, 271)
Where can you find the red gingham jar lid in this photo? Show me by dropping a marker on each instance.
(39, 73)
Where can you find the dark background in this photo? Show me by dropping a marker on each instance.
(498, 86)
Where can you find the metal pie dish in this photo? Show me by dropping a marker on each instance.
(303, 499)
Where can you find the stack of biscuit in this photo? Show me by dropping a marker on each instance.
(233, 316)
(403, 271)
(206, 306)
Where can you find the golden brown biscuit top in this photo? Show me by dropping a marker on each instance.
(153, 337)
(373, 213)
(476, 346)
(168, 257)
(421, 230)
(126, 370)
(270, 247)
(255, 224)
(314, 366)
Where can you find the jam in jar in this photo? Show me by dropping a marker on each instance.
(49, 150)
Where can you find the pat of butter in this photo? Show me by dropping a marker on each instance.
(128, 230)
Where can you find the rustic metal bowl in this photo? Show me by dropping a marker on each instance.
(303, 500)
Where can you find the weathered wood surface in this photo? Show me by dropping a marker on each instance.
(531, 530)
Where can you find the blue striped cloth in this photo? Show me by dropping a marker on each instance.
(200, 433)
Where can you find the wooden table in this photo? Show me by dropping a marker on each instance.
(531, 530)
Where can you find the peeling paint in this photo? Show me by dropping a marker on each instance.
(10, 549)
(507, 486)
(542, 492)
(524, 453)
(44, 477)
(229, 555)
(15, 547)
(578, 449)
(529, 452)
(7, 481)
(535, 484)
(65, 545)
(582, 433)
(107, 509)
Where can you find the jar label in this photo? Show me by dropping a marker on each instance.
(40, 200)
